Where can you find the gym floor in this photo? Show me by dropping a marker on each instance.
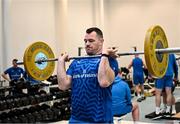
(147, 106)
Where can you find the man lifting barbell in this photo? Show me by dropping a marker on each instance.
(90, 80)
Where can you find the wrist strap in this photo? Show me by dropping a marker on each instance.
(105, 55)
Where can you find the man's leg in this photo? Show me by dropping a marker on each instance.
(135, 111)
(138, 92)
(168, 99)
(158, 100)
(159, 86)
(142, 91)
(164, 101)
(173, 105)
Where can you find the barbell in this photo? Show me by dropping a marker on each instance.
(39, 58)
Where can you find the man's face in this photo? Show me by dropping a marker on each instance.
(14, 63)
(93, 43)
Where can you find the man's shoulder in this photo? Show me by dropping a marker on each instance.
(10, 68)
(19, 68)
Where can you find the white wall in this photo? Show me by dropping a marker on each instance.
(28, 21)
(62, 24)
(128, 21)
(72, 19)
(124, 22)
(1, 45)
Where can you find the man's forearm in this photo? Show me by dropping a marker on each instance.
(62, 76)
(5, 77)
(105, 73)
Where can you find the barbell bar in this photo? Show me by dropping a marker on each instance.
(158, 51)
(56, 59)
(39, 58)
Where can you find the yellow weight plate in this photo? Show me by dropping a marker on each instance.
(156, 63)
(34, 52)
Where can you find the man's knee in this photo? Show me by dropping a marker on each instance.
(135, 105)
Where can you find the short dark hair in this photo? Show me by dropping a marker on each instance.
(15, 60)
(95, 29)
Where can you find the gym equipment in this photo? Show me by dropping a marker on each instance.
(39, 58)
(53, 80)
(23, 119)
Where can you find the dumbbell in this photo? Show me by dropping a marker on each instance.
(44, 106)
(57, 113)
(44, 115)
(64, 102)
(25, 101)
(10, 114)
(65, 109)
(30, 117)
(49, 96)
(53, 79)
(66, 93)
(38, 98)
(21, 83)
(25, 111)
(6, 120)
(32, 100)
(50, 113)
(17, 112)
(32, 109)
(37, 107)
(37, 116)
(3, 115)
(10, 103)
(59, 94)
(15, 119)
(43, 97)
(17, 102)
(3, 105)
(61, 108)
(23, 118)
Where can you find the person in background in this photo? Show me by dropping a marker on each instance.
(138, 76)
(121, 99)
(173, 101)
(13, 74)
(166, 83)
